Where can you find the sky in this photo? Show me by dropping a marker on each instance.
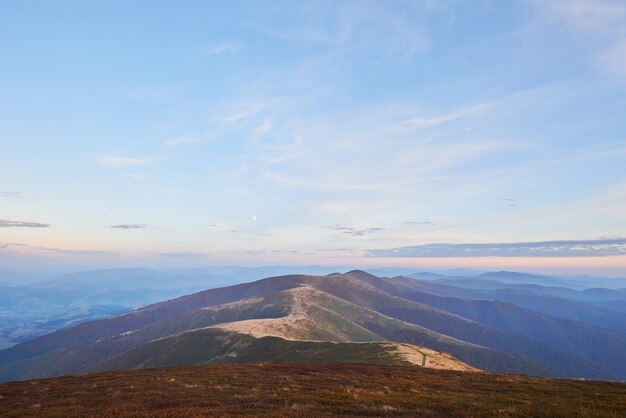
(409, 133)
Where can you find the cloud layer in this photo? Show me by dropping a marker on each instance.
(357, 232)
(582, 248)
(5, 223)
(130, 226)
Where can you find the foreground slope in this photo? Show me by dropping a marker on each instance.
(306, 390)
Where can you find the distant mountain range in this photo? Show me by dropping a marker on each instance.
(31, 306)
(491, 322)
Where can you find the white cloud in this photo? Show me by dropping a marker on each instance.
(129, 226)
(573, 248)
(154, 94)
(135, 177)
(11, 194)
(424, 122)
(6, 223)
(588, 15)
(603, 20)
(121, 161)
(613, 60)
(263, 129)
(362, 27)
(183, 139)
(244, 111)
(222, 48)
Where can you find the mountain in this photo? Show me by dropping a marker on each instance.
(527, 278)
(300, 313)
(573, 282)
(587, 295)
(534, 297)
(462, 272)
(135, 278)
(602, 347)
(34, 309)
(349, 317)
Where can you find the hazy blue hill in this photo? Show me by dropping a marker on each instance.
(593, 281)
(28, 312)
(95, 330)
(387, 271)
(577, 310)
(428, 276)
(135, 278)
(602, 347)
(587, 295)
(372, 296)
(4, 343)
(526, 278)
(462, 272)
(580, 282)
(38, 308)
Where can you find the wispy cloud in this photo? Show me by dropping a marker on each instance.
(183, 254)
(5, 223)
(263, 129)
(122, 161)
(222, 48)
(10, 194)
(510, 201)
(244, 111)
(588, 15)
(136, 177)
(357, 232)
(614, 58)
(573, 248)
(427, 121)
(26, 249)
(183, 139)
(130, 226)
(154, 94)
(602, 19)
(361, 27)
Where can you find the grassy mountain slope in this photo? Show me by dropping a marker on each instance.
(211, 345)
(96, 330)
(328, 318)
(309, 390)
(352, 307)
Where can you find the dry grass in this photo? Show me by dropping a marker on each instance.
(281, 390)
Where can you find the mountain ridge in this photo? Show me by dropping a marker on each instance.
(355, 307)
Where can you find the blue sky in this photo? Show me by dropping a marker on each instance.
(314, 132)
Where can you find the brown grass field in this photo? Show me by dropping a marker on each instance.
(305, 390)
